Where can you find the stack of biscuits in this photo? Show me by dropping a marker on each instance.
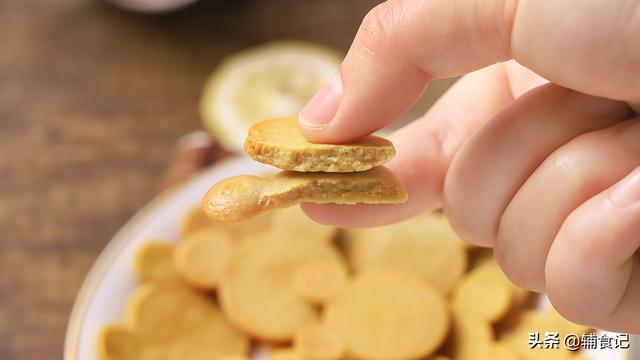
(318, 173)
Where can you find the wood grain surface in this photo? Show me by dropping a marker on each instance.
(92, 100)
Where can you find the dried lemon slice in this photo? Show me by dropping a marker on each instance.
(424, 245)
(154, 261)
(257, 291)
(202, 257)
(389, 315)
(271, 80)
(318, 342)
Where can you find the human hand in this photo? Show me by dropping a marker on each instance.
(546, 175)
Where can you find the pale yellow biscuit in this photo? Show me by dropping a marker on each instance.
(196, 219)
(470, 338)
(117, 342)
(284, 354)
(154, 261)
(257, 291)
(424, 245)
(203, 256)
(175, 322)
(320, 281)
(278, 142)
(318, 342)
(487, 298)
(241, 197)
(293, 222)
(389, 315)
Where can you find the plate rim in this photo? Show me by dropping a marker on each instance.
(113, 248)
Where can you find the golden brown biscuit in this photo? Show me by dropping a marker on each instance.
(278, 142)
(389, 315)
(242, 197)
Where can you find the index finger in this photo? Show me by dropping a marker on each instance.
(402, 45)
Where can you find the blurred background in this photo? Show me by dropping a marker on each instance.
(93, 99)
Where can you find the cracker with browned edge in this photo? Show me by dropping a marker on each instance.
(278, 142)
(241, 197)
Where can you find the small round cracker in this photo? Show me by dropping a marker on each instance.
(154, 261)
(470, 338)
(203, 256)
(320, 281)
(183, 323)
(491, 270)
(293, 222)
(117, 342)
(284, 354)
(278, 142)
(389, 315)
(196, 219)
(318, 342)
(484, 297)
(257, 291)
(424, 245)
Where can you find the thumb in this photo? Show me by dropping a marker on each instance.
(399, 47)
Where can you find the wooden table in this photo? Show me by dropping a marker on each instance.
(92, 100)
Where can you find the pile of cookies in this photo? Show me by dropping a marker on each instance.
(298, 290)
(290, 289)
(318, 173)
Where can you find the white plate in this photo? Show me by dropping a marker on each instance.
(104, 292)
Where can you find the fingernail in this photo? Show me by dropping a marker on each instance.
(627, 191)
(322, 108)
(594, 106)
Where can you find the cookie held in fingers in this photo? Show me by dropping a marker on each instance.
(241, 197)
(278, 142)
